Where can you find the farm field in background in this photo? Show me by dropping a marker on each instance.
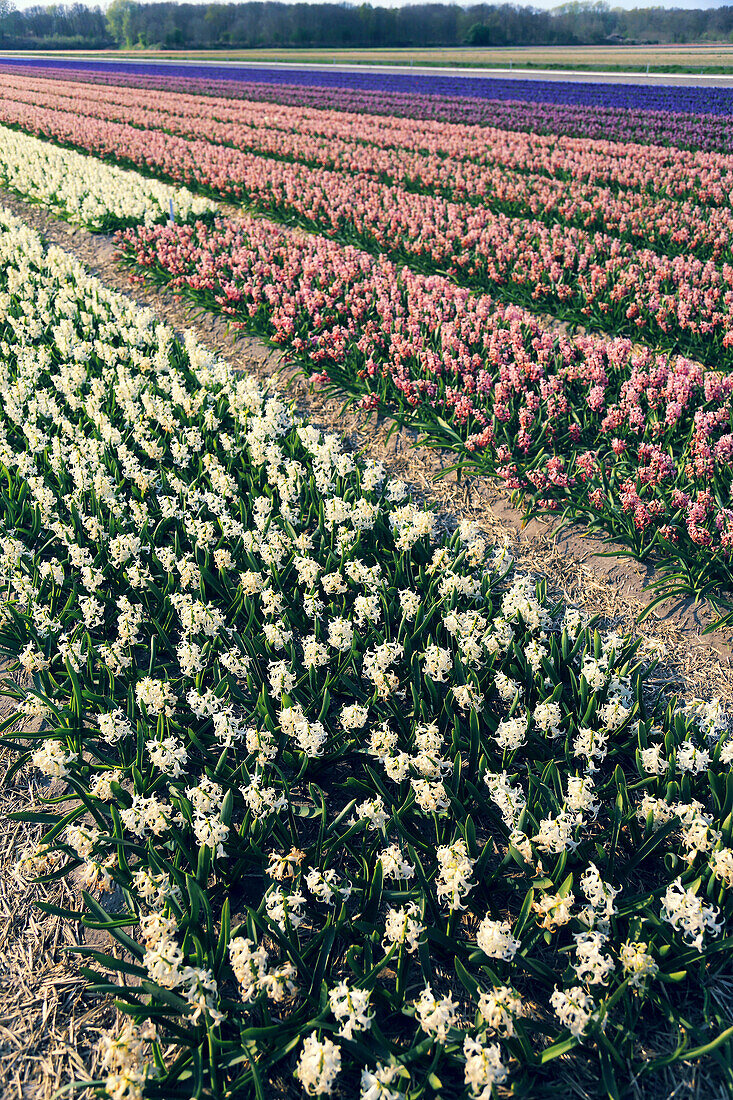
(692, 59)
(364, 812)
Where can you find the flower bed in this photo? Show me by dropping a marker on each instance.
(646, 167)
(635, 442)
(680, 303)
(670, 98)
(87, 191)
(379, 814)
(659, 123)
(612, 188)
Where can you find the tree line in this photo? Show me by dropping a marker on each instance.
(129, 24)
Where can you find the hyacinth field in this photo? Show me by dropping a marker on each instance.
(363, 811)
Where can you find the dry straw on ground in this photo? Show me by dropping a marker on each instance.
(48, 1025)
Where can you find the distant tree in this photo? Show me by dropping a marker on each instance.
(6, 9)
(486, 34)
(120, 22)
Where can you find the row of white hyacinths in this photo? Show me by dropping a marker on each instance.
(379, 815)
(86, 191)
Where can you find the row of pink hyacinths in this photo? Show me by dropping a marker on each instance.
(419, 161)
(706, 177)
(587, 276)
(514, 388)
